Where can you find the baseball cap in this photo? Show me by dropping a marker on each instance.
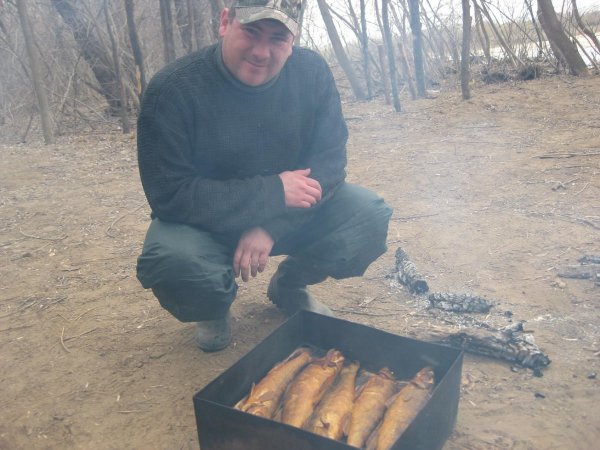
(285, 11)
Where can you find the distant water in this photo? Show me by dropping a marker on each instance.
(531, 50)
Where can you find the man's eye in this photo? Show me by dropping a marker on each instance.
(279, 39)
(251, 32)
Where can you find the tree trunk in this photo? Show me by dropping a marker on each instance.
(484, 38)
(216, 6)
(589, 33)
(166, 21)
(514, 59)
(385, 79)
(340, 53)
(92, 49)
(364, 43)
(136, 49)
(415, 26)
(465, 73)
(117, 63)
(403, 58)
(557, 36)
(537, 28)
(192, 18)
(36, 73)
(389, 44)
(184, 22)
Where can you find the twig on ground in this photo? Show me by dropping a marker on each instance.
(15, 328)
(564, 155)
(79, 335)
(120, 218)
(364, 313)
(417, 216)
(582, 189)
(62, 342)
(43, 238)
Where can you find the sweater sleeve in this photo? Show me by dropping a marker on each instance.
(326, 154)
(174, 188)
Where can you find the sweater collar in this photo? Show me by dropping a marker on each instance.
(234, 81)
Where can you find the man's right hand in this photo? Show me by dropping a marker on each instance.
(301, 191)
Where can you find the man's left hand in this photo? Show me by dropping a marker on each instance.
(252, 253)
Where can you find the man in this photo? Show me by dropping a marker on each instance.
(242, 155)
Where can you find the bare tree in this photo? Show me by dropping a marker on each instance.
(36, 73)
(403, 57)
(166, 21)
(511, 54)
(415, 26)
(339, 51)
(589, 33)
(117, 64)
(136, 48)
(465, 75)
(92, 48)
(389, 44)
(364, 44)
(482, 33)
(556, 35)
(216, 6)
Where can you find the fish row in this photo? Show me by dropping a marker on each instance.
(321, 395)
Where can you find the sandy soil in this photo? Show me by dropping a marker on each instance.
(492, 197)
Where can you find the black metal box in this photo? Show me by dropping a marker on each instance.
(220, 427)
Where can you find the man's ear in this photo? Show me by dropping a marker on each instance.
(224, 22)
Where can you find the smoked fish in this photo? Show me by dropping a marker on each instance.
(308, 388)
(369, 406)
(405, 406)
(264, 397)
(333, 413)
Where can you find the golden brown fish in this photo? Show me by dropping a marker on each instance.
(405, 407)
(333, 413)
(308, 388)
(370, 405)
(264, 397)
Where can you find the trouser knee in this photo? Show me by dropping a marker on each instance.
(348, 234)
(189, 273)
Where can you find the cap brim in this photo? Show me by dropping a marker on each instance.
(249, 14)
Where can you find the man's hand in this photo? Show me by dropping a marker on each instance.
(252, 253)
(300, 190)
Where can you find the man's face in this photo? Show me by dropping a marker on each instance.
(256, 52)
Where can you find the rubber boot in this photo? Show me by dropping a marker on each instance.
(214, 335)
(288, 290)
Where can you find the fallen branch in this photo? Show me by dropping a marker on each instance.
(565, 155)
(583, 272)
(509, 343)
(589, 259)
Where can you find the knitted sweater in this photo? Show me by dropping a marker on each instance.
(210, 148)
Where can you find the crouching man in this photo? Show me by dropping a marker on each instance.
(242, 155)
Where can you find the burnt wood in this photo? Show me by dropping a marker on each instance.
(406, 273)
(463, 303)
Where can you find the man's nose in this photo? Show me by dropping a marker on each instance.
(261, 49)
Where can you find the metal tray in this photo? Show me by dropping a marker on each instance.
(220, 427)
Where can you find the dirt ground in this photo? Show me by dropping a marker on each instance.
(491, 197)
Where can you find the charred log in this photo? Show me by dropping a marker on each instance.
(510, 343)
(462, 303)
(406, 273)
(583, 272)
(589, 259)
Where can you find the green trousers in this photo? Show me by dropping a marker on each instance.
(190, 270)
